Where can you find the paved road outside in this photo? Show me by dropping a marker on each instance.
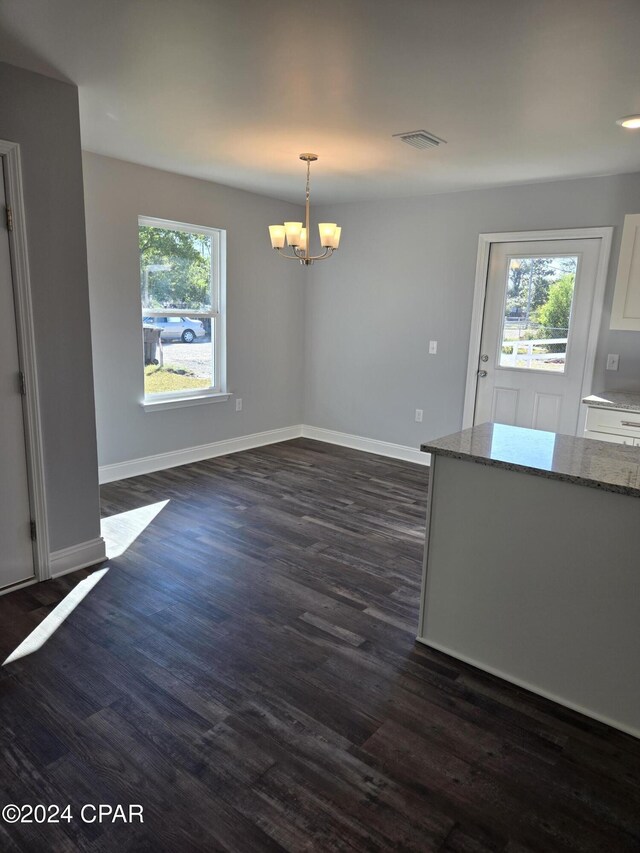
(195, 357)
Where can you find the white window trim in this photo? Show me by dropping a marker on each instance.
(190, 399)
(218, 315)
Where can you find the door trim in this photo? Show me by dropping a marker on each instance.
(10, 153)
(604, 234)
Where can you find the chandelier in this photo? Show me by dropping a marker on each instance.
(297, 236)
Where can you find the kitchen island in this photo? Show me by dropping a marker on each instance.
(532, 564)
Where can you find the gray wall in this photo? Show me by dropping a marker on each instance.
(41, 114)
(265, 300)
(404, 275)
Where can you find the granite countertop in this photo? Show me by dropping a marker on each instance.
(627, 400)
(586, 461)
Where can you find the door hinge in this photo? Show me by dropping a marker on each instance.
(9, 219)
(32, 530)
(23, 384)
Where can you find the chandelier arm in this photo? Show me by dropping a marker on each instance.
(290, 257)
(326, 254)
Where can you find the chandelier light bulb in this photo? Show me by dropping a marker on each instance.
(277, 234)
(631, 122)
(293, 230)
(327, 230)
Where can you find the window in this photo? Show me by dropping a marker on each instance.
(182, 293)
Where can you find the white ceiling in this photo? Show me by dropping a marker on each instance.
(234, 90)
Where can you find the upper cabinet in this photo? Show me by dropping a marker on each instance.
(625, 313)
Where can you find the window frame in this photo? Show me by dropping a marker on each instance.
(217, 314)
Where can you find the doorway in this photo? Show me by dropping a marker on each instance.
(536, 319)
(24, 538)
(17, 559)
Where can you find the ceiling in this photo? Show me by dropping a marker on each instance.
(233, 90)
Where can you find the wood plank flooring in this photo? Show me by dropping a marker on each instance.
(247, 671)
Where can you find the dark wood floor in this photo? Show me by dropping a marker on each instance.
(247, 672)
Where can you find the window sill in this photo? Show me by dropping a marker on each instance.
(179, 402)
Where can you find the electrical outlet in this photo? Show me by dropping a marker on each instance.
(612, 361)
(418, 416)
(238, 404)
(433, 347)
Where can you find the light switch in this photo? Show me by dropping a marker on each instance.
(418, 416)
(612, 361)
(433, 347)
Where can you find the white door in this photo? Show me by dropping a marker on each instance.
(16, 551)
(535, 333)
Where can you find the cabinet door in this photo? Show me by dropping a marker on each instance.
(625, 312)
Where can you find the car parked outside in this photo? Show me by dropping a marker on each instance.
(176, 328)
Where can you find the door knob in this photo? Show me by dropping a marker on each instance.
(484, 357)
(482, 373)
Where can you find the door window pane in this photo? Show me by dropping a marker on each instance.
(537, 313)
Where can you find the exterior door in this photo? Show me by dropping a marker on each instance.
(535, 333)
(16, 551)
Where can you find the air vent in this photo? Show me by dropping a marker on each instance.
(420, 139)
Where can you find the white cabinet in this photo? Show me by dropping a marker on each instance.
(625, 312)
(620, 426)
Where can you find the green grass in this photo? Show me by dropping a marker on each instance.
(163, 380)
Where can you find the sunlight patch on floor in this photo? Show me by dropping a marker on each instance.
(121, 530)
(50, 624)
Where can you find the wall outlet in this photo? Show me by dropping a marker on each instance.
(612, 361)
(418, 416)
(433, 347)
(238, 404)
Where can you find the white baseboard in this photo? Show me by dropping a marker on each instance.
(77, 557)
(369, 445)
(160, 461)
